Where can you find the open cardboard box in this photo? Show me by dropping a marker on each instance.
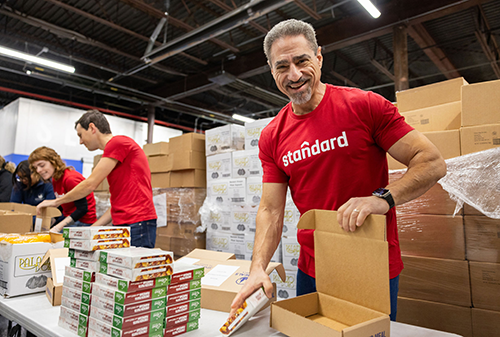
(219, 297)
(58, 259)
(352, 281)
(17, 218)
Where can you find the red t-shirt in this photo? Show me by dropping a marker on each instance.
(66, 183)
(129, 182)
(334, 153)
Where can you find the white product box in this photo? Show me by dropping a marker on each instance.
(249, 242)
(219, 166)
(290, 282)
(218, 192)
(246, 164)
(225, 138)
(291, 219)
(219, 220)
(96, 233)
(136, 257)
(254, 190)
(243, 219)
(237, 245)
(21, 271)
(285, 293)
(238, 191)
(218, 241)
(253, 131)
(291, 251)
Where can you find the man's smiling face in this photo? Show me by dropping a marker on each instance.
(296, 68)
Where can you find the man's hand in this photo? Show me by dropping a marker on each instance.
(57, 228)
(257, 279)
(353, 213)
(46, 203)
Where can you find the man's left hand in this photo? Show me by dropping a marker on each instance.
(353, 213)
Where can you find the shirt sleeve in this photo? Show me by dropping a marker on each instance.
(81, 209)
(389, 125)
(117, 148)
(272, 173)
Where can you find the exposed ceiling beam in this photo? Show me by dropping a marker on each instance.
(487, 40)
(425, 41)
(152, 11)
(72, 35)
(228, 8)
(117, 27)
(382, 69)
(308, 10)
(344, 79)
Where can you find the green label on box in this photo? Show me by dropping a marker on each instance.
(162, 281)
(82, 331)
(195, 284)
(103, 268)
(193, 305)
(194, 315)
(85, 298)
(158, 315)
(198, 273)
(156, 334)
(119, 309)
(119, 297)
(115, 332)
(87, 276)
(156, 327)
(66, 233)
(117, 322)
(159, 292)
(66, 243)
(72, 263)
(159, 303)
(122, 285)
(103, 257)
(82, 320)
(84, 309)
(87, 287)
(195, 294)
(192, 326)
(71, 253)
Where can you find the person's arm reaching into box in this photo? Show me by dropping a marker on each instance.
(269, 226)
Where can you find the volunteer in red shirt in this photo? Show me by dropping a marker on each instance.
(49, 165)
(329, 146)
(126, 167)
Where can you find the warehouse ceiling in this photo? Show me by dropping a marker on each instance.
(205, 61)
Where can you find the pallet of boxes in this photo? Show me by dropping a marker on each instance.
(178, 170)
(440, 286)
(234, 179)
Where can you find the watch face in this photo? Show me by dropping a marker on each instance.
(380, 191)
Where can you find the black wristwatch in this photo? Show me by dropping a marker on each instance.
(384, 194)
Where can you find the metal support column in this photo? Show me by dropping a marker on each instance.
(400, 49)
(151, 123)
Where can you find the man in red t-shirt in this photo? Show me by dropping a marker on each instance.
(126, 167)
(329, 146)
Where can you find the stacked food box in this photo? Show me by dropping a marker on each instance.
(178, 170)
(84, 244)
(129, 293)
(234, 179)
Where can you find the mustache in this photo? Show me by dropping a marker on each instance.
(300, 80)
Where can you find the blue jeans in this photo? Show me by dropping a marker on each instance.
(143, 233)
(307, 284)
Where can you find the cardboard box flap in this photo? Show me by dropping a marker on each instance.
(58, 260)
(210, 255)
(353, 266)
(24, 208)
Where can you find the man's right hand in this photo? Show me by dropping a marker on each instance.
(257, 279)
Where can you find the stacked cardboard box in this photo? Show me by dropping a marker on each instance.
(436, 274)
(104, 186)
(234, 178)
(129, 293)
(84, 244)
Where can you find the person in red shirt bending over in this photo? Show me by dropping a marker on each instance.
(126, 167)
(329, 145)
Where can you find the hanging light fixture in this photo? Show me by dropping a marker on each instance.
(243, 118)
(35, 59)
(370, 8)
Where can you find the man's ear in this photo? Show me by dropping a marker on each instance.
(92, 128)
(320, 57)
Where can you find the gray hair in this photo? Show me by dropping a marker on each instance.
(290, 27)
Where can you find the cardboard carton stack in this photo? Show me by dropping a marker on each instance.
(234, 178)
(159, 163)
(183, 232)
(104, 186)
(129, 293)
(85, 244)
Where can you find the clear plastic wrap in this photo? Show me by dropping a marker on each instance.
(475, 179)
(102, 203)
(482, 236)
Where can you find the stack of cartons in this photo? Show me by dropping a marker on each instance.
(183, 303)
(84, 244)
(104, 186)
(129, 293)
(434, 287)
(480, 131)
(159, 164)
(234, 178)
